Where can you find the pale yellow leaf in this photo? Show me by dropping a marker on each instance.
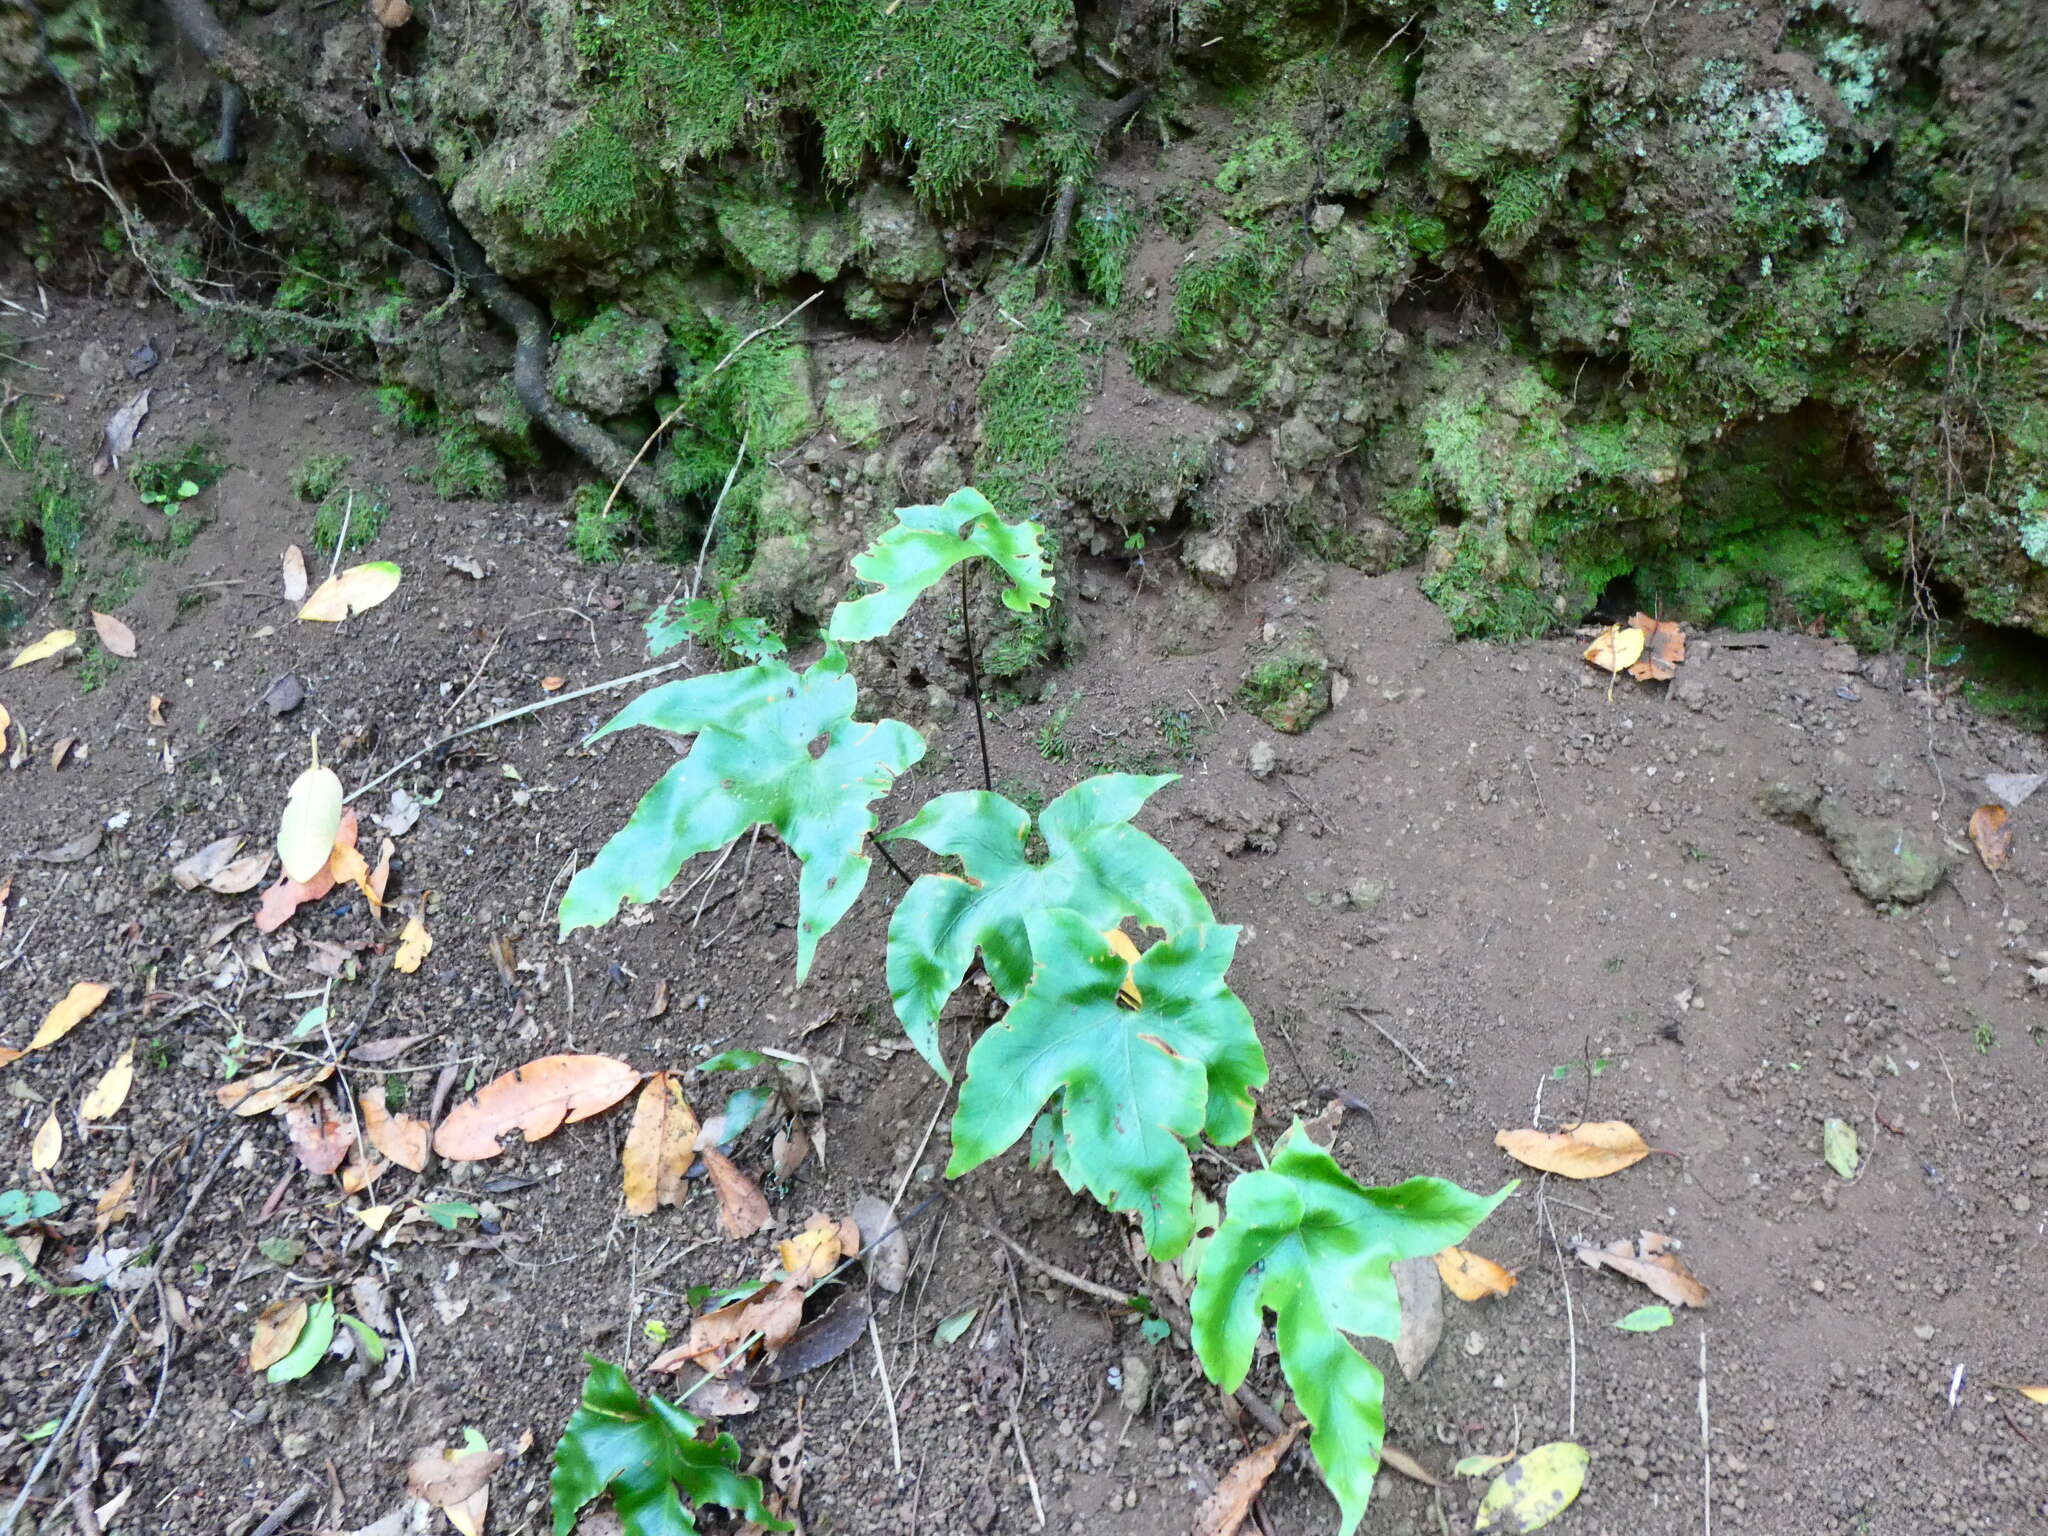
(414, 945)
(117, 637)
(375, 1216)
(48, 1145)
(2034, 1394)
(1472, 1277)
(1121, 946)
(358, 588)
(294, 574)
(311, 820)
(1616, 648)
(111, 1091)
(74, 1008)
(56, 640)
(1588, 1151)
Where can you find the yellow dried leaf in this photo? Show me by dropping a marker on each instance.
(111, 1091)
(1615, 648)
(1588, 1151)
(73, 1009)
(116, 1201)
(1472, 1277)
(2034, 1394)
(261, 1092)
(358, 588)
(5, 721)
(56, 640)
(660, 1147)
(278, 1327)
(374, 1216)
(414, 944)
(48, 1145)
(1535, 1490)
(810, 1255)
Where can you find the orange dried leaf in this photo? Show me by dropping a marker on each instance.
(537, 1099)
(811, 1254)
(1472, 1277)
(742, 1208)
(1663, 649)
(1589, 1151)
(552, 684)
(1991, 831)
(261, 1092)
(319, 1136)
(404, 1139)
(156, 710)
(1650, 1261)
(1227, 1509)
(660, 1147)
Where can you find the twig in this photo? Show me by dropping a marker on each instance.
(1030, 1477)
(1413, 1059)
(30, 932)
(1052, 1271)
(505, 717)
(1570, 1319)
(711, 522)
(274, 1521)
(888, 1394)
(348, 511)
(1706, 1450)
(910, 1167)
(888, 858)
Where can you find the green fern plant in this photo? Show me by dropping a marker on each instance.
(1116, 1063)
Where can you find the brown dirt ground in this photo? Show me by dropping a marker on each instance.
(1564, 879)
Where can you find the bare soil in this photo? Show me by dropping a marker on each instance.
(1550, 904)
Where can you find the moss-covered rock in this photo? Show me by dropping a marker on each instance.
(611, 366)
(1289, 687)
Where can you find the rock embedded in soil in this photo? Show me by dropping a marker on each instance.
(1211, 559)
(1889, 862)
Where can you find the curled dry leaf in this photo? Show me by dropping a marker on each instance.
(243, 874)
(320, 1137)
(742, 1208)
(1471, 1277)
(660, 1147)
(1225, 1511)
(1421, 1296)
(278, 1327)
(356, 589)
(261, 1092)
(156, 710)
(55, 642)
(1991, 831)
(775, 1312)
(1663, 649)
(537, 1099)
(73, 1009)
(443, 1477)
(1615, 648)
(111, 1091)
(117, 637)
(1589, 1151)
(116, 1202)
(47, 1146)
(1649, 1260)
(1393, 1456)
(405, 1139)
(888, 1264)
(414, 945)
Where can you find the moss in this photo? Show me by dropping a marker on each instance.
(1326, 126)
(1031, 395)
(1136, 483)
(318, 475)
(48, 506)
(610, 366)
(1105, 233)
(599, 536)
(765, 239)
(854, 417)
(363, 513)
(410, 409)
(1221, 300)
(464, 467)
(1289, 688)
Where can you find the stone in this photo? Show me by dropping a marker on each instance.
(611, 366)
(941, 473)
(1300, 443)
(899, 248)
(1690, 692)
(764, 240)
(1889, 862)
(1484, 100)
(1364, 895)
(1262, 760)
(1211, 559)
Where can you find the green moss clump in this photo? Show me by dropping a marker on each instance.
(598, 536)
(318, 475)
(464, 467)
(1135, 483)
(363, 513)
(1289, 688)
(765, 240)
(1105, 232)
(411, 410)
(1031, 395)
(49, 506)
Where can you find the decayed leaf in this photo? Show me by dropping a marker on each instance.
(537, 1098)
(1479, 1466)
(884, 1253)
(281, 900)
(117, 637)
(310, 824)
(319, 1136)
(1393, 1456)
(1663, 649)
(742, 1208)
(197, 869)
(243, 874)
(73, 1009)
(1535, 1490)
(380, 877)
(55, 641)
(261, 1092)
(1991, 831)
(1225, 1511)
(1589, 1151)
(117, 1201)
(1421, 1296)
(811, 1254)
(156, 710)
(775, 1312)
(294, 567)
(1650, 1261)
(1615, 648)
(1838, 1146)
(356, 589)
(278, 1327)
(414, 944)
(111, 1091)
(118, 435)
(456, 1482)
(405, 1139)
(1471, 1277)
(2034, 1394)
(48, 1145)
(660, 1147)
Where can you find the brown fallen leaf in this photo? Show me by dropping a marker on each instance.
(1226, 1510)
(818, 1343)
(293, 564)
(359, 1174)
(116, 1202)
(458, 1483)
(321, 1137)
(405, 1139)
(377, 1052)
(1589, 1151)
(61, 750)
(1991, 831)
(1649, 1260)
(118, 435)
(775, 1312)
(111, 1091)
(742, 1208)
(660, 1147)
(1663, 649)
(1471, 1277)
(1421, 1295)
(380, 877)
(261, 1092)
(552, 684)
(884, 1253)
(278, 1327)
(117, 637)
(156, 710)
(71, 1010)
(72, 849)
(1393, 1456)
(243, 874)
(197, 869)
(788, 1150)
(537, 1098)
(281, 900)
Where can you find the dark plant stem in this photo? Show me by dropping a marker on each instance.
(988, 779)
(888, 858)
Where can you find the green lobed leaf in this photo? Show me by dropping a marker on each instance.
(1302, 1240)
(640, 1450)
(1137, 1083)
(753, 762)
(1097, 864)
(925, 544)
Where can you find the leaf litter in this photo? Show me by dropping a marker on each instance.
(1651, 1261)
(1585, 1151)
(536, 1099)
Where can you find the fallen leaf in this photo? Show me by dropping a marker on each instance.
(349, 867)
(1663, 649)
(294, 565)
(1838, 1146)
(2034, 1394)
(118, 436)
(56, 640)
(660, 1147)
(111, 1091)
(261, 1092)
(1226, 1510)
(285, 694)
(1991, 831)
(117, 637)
(48, 1145)
(391, 15)
(552, 684)
(156, 710)
(197, 869)
(278, 1327)
(1615, 648)
(742, 1208)
(71, 850)
(355, 590)
(1421, 1296)
(1646, 1320)
(465, 565)
(281, 900)
(116, 1202)
(358, 1174)
(376, 1052)
(319, 1136)
(243, 874)
(1122, 946)
(811, 1255)
(414, 943)
(404, 813)
(405, 1139)
(1650, 1262)
(889, 1264)
(5, 721)
(950, 1329)
(380, 877)
(61, 750)
(775, 1312)
(1534, 1490)
(788, 1150)
(536, 1098)
(73, 1009)
(819, 1342)
(443, 1477)
(1393, 1456)
(311, 822)
(1589, 1151)
(1479, 1466)
(2014, 788)
(1471, 1277)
